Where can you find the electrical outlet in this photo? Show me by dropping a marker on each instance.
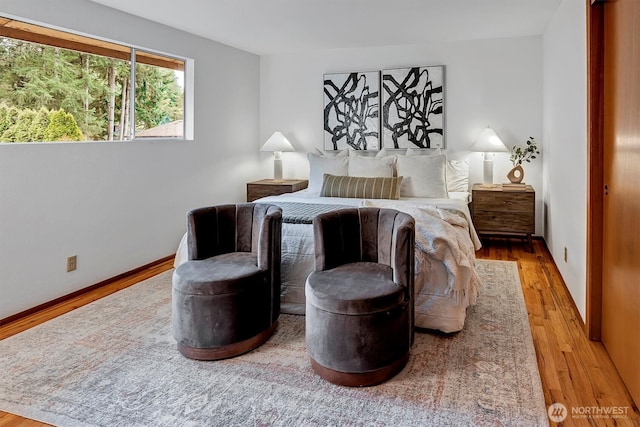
(565, 254)
(72, 263)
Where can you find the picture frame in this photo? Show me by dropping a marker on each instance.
(413, 107)
(352, 110)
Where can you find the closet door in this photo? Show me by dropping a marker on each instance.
(621, 246)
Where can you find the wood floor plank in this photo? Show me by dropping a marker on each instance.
(574, 371)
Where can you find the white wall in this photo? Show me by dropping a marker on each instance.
(565, 144)
(118, 206)
(494, 82)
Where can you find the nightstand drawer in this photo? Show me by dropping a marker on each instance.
(270, 187)
(513, 201)
(257, 191)
(503, 222)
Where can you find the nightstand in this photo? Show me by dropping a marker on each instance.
(496, 211)
(272, 187)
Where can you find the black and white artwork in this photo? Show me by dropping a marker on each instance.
(352, 111)
(413, 107)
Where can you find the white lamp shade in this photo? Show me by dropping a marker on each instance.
(488, 142)
(277, 142)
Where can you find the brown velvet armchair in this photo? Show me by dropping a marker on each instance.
(226, 297)
(359, 299)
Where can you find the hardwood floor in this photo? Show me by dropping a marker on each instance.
(574, 371)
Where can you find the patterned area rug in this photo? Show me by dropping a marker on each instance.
(115, 363)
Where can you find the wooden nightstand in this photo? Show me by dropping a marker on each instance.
(271, 187)
(504, 212)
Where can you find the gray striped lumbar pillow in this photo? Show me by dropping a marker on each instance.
(361, 187)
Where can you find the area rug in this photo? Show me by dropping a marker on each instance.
(115, 363)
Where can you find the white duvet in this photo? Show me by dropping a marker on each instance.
(446, 280)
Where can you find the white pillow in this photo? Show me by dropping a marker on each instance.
(361, 153)
(423, 151)
(383, 153)
(319, 165)
(457, 174)
(332, 153)
(424, 176)
(371, 166)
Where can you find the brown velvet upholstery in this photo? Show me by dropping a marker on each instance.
(226, 297)
(359, 299)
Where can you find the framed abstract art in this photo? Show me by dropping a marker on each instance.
(413, 107)
(352, 111)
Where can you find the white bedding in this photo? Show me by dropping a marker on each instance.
(446, 281)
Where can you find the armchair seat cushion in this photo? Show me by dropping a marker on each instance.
(218, 275)
(358, 288)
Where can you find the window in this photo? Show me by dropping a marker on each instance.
(59, 86)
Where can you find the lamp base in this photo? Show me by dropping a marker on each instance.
(277, 166)
(487, 175)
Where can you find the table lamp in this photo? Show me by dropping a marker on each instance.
(488, 143)
(277, 143)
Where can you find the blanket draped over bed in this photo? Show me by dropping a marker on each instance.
(303, 213)
(446, 280)
(443, 234)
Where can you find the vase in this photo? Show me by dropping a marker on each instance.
(516, 174)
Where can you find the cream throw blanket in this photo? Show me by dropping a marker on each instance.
(445, 235)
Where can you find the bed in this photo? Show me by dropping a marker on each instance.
(446, 280)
